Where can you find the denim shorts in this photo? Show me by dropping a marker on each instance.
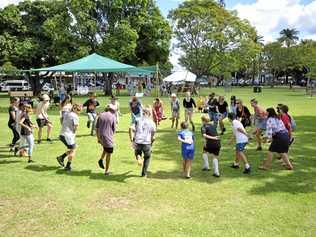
(241, 146)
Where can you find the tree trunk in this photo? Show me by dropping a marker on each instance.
(35, 84)
(108, 81)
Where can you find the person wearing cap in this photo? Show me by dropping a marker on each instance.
(42, 118)
(142, 135)
(67, 136)
(189, 105)
(105, 129)
(116, 106)
(175, 110)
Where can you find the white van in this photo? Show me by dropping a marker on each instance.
(15, 85)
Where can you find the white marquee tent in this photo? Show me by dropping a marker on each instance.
(181, 76)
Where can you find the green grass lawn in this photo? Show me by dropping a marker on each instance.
(42, 200)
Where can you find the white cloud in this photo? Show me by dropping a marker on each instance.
(4, 3)
(271, 16)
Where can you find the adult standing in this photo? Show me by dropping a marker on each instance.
(13, 108)
(189, 105)
(278, 134)
(105, 128)
(42, 118)
(243, 114)
(68, 135)
(158, 111)
(223, 111)
(213, 109)
(142, 134)
(175, 110)
(260, 120)
(233, 105)
(116, 105)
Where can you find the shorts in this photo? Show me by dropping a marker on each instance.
(261, 123)
(69, 146)
(108, 150)
(280, 143)
(175, 114)
(212, 150)
(41, 122)
(141, 149)
(222, 116)
(241, 146)
(188, 155)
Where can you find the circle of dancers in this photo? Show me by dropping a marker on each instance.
(272, 126)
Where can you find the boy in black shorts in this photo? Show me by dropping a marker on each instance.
(212, 145)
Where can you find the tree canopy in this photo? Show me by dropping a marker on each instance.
(44, 33)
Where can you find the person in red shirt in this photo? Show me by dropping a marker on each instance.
(286, 119)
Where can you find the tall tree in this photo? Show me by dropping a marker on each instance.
(289, 36)
(212, 38)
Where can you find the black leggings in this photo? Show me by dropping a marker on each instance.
(16, 135)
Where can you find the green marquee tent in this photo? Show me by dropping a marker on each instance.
(91, 63)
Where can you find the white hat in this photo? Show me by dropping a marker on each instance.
(45, 97)
(173, 95)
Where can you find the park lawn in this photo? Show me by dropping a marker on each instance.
(42, 200)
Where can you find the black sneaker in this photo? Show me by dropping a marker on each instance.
(234, 166)
(16, 150)
(107, 173)
(144, 176)
(216, 175)
(259, 148)
(49, 140)
(88, 124)
(39, 141)
(60, 161)
(101, 165)
(188, 177)
(224, 130)
(30, 161)
(247, 171)
(206, 169)
(68, 168)
(292, 140)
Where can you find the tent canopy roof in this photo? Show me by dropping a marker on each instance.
(181, 76)
(91, 63)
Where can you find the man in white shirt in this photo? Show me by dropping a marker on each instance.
(142, 135)
(42, 118)
(241, 138)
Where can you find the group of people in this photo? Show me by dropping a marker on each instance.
(277, 124)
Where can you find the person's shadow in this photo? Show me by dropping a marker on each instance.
(121, 178)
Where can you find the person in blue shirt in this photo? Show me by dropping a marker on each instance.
(185, 136)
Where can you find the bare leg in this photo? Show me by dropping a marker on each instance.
(286, 160)
(40, 130)
(188, 168)
(258, 137)
(183, 167)
(267, 162)
(107, 162)
(172, 122)
(49, 130)
(243, 157)
(177, 122)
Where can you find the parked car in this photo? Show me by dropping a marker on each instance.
(15, 85)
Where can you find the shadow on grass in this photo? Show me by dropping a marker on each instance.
(41, 168)
(74, 172)
(121, 178)
(301, 180)
(7, 162)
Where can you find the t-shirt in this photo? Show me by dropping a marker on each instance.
(12, 109)
(212, 104)
(105, 126)
(27, 122)
(41, 110)
(145, 128)
(286, 121)
(135, 108)
(210, 129)
(187, 136)
(243, 113)
(222, 108)
(175, 105)
(70, 120)
(91, 105)
(240, 137)
(188, 104)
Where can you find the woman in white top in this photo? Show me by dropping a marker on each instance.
(42, 118)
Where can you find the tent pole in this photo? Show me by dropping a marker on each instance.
(157, 78)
